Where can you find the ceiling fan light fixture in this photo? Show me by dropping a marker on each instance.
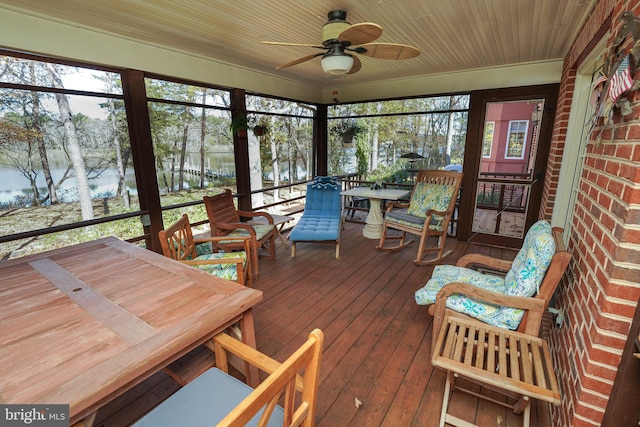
(337, 63)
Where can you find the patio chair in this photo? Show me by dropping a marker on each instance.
(427, 214)
(178, 243)
(217, 398)
(225, 220)
(475, 316)
(322, 218)
(515, 299)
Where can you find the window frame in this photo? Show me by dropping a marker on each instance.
(524, 139)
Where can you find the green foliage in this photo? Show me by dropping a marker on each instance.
(363, 152)
(395, 172)
(347, 127)
(239, 123)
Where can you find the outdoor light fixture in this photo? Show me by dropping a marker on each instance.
(336, 61)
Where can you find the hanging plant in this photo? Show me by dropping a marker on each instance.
(259, 130)
(348, 130)
(240, 125)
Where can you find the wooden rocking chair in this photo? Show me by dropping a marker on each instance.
(428, 214)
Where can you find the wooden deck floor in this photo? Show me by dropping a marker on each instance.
(377, 340)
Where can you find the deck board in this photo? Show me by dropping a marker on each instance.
(377, 340)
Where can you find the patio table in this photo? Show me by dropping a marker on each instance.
(83, 324)
(374, 221)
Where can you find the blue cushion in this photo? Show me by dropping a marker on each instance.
(204, 402)
(322, 216)
(316, 227)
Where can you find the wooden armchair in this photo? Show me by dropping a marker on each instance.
(489, 352)
(217, 398)
(178, 243)
(428, 214)
(515, 302)
(225, 220)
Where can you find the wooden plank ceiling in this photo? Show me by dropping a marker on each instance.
(452, 35)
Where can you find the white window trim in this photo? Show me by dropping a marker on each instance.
(484, 139)
(524, 142)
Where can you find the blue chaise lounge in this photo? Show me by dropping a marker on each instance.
(321, 220)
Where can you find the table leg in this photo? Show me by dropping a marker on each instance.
(249, 337)
(373, 227)
(280, 236)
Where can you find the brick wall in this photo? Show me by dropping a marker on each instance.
(601, 289)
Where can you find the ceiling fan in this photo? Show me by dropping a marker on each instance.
(340, 40)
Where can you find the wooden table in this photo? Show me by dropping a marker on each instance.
(278, 222)
(374, 221)
(83, 324)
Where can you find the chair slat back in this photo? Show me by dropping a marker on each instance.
(177, 240)
(285, 379)
(220, 208)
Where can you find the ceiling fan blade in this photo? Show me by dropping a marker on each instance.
(299, 60)
(390, 51)
(362, 33)
(356, 65)
(292, 44)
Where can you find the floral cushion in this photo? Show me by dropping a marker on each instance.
(428, 196)
(260, 229)
(225, 271)
(523, 279)
(504, 317)
(531, 263)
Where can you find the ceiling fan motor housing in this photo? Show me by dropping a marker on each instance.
(337, 23)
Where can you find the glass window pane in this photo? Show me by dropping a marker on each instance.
(514, 128)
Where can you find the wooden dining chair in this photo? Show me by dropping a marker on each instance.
(427, 214)
(178, 243)
(226, 220)
(218, 398)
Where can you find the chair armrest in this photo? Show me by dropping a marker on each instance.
(394, 204)
(441, 213)
(247, 214)
(534, 306)
(233, 225)
(245, 239)
(484, 261)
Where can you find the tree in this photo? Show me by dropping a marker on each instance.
(73, 145)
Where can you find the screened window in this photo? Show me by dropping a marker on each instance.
(192, 144)
(391, 140)
(280, 146)
(65, 154)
